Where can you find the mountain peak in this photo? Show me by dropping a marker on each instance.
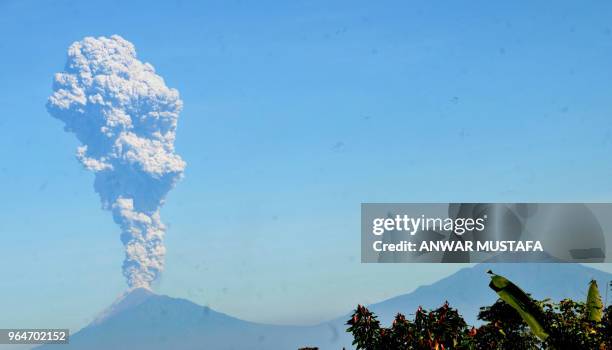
(127, 300)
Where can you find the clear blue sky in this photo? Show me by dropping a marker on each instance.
(295, 113)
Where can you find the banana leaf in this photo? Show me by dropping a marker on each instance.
(594, 306)
(520, 301)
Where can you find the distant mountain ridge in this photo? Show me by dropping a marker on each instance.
(143, 320)
(467, 289)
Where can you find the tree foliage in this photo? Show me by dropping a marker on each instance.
(569, 324)
(442, 328)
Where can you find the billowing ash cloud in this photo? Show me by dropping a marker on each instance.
(125, 117)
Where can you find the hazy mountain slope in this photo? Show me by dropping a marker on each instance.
(161, 322)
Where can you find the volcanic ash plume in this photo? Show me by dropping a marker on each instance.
(125, 117)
